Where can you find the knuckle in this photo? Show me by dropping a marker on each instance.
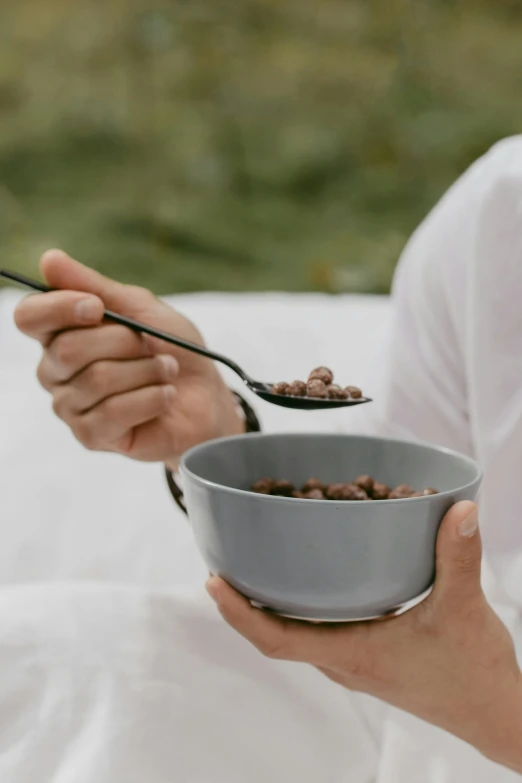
(126, 343)
(279, 646)
(61, 403)
(84, 432)
(110, 409)
(41, 373)
(64, 350)
(274, 649)
(96, 376)
(159, 400)
(124, 444)
(21, 318)
(158, 370)
(140, 295)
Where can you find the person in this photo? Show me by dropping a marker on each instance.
(455, 363)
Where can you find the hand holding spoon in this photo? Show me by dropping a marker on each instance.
(263, 390)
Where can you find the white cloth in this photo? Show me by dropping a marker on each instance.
(102, 684)
(122, 684)
(114, 666)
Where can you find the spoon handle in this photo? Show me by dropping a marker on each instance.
(137, 326)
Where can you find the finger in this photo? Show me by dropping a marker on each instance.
(61, 271)
(157, 345)
(40, 316)
(105, 379)
(71, 352)
(110, 422)
(459, 554)
(275, 637)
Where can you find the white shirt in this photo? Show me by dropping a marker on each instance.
(455, 357)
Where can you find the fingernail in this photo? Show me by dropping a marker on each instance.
(170, 366)
(469, 526)
(170, 393)
(87, 311)
(211, 587)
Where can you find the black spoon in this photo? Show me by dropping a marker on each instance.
(263, 390)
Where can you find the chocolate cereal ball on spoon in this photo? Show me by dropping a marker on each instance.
(318, 392)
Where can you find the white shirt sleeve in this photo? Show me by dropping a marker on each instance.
(455, 360)
(494, 368)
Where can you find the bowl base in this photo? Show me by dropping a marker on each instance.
(395, 612)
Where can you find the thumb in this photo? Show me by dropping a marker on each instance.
(61, 271)
(459, 553)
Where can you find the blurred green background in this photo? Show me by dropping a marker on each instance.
(244, 144)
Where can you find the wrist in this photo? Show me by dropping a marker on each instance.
(248, 422)
(503, 745)
(231, 417)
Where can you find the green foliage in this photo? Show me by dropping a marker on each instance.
(213, 144)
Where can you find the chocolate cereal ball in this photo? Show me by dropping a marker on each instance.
(423, 493)
(336, 393)
(380, 491)
(311, 484)
(363, 488)
(280, 388)
(282, 488)
(334, 491)
(345, 492)
(353, 492)
(316, 388)
(314, 494)
(297, 389)
(263, 486)
(402, 491)
(321, 374)
(353, 392)
(366, 483)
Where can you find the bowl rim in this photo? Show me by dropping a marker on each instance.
(185, 471)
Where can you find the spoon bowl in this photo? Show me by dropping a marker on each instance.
(262, 390)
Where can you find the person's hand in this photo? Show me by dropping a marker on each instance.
(117, 390)
(450, 660)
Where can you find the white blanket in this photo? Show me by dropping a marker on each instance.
(114, 666)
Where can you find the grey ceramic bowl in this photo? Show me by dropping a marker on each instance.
(314, 559)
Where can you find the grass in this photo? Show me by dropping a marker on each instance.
(265, 144)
